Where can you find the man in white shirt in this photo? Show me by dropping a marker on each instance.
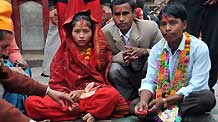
(178, 71)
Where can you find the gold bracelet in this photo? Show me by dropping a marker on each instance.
(164, 102)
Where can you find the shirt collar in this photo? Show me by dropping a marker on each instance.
(181, 45)
(127, 35)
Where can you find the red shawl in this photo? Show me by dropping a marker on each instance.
(69, 70)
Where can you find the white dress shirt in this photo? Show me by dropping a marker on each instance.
(197, 71)
(126, 36)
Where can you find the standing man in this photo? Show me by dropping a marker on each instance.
(57, 10)
(178, 70)
(130, 40)
(16, 82)
(106, 12)
(203, 18)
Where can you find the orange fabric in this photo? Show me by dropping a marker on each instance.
(70, 71)
(5, 16)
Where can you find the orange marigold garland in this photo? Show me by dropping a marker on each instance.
(166, 88)
(88, 54)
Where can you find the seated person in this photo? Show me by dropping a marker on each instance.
(15, 99)
(178, 70)
(130, 40)
(12, 58)
(16, 82)
(80, 67)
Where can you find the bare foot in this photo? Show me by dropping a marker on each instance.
(88, 118)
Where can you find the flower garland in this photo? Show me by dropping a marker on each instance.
(88, 54)
(164, 87)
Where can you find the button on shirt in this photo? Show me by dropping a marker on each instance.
(126, 36)
(197, 71)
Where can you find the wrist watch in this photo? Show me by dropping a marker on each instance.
(1, 64)
(164, 102)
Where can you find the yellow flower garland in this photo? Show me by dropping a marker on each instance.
(88, 54)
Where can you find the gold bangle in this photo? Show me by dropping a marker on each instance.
(164, 102)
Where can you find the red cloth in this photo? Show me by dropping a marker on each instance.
(61, 6)
(139, 13)
(70, 71)
(69, 65)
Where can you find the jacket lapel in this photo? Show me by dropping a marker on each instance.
(118, 40)
(134, 35)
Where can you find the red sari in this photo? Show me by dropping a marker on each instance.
(70, 71)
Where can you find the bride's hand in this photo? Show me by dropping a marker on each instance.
(75, 95)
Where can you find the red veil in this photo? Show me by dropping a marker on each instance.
(69, 70)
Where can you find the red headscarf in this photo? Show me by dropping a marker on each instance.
(69, 71)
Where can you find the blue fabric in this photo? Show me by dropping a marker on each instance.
(14, 98)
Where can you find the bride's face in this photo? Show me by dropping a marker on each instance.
(81, 33)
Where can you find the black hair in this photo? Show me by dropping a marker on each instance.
(140, 3)
(105, 2)
(174, 9)
(119, 2)
(2, 33)
(78, 17)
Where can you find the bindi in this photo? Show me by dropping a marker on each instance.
(81, 21)
(165, 17)
(120, 10)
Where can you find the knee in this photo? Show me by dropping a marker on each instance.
(199, 102)
(29, 102)
(209, 100)
(113, 94)
(205, 98)
(132, 106)
(31, 106)
(114, 71)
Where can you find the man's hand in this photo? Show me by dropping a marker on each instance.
(59, 97)
(18, 69)
(141, 109)
(133, 53)
(155, 106)
(53, 15)
(211, 2)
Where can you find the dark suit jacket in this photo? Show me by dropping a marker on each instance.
(15, 82)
